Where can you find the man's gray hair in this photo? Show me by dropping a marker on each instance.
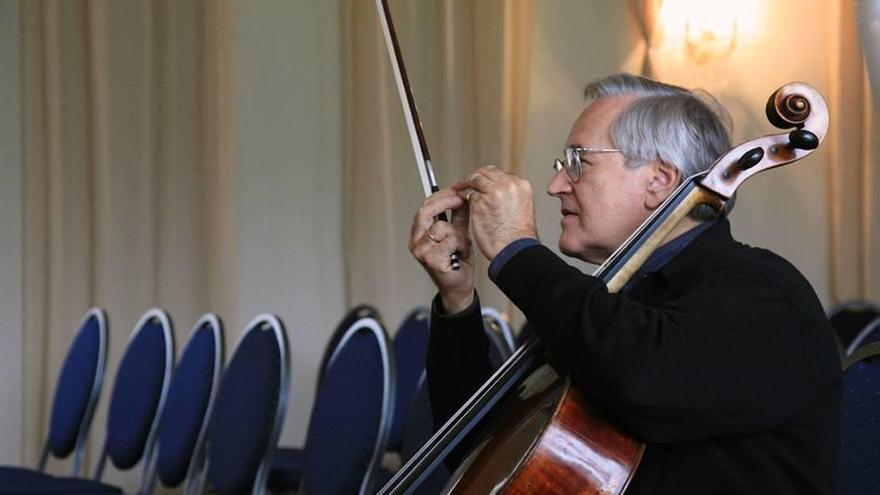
(685, 129)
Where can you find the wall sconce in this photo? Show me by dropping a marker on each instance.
(709, 39)
(707, 30)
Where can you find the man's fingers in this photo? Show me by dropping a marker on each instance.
(434, 205)
(438, 231)
(492, 172)
(437, 256)
(461, 217)
(444, 199)
(460, 184)
(479, 181)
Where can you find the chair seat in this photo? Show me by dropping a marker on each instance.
(286, 469)
(12, 473)
(20, 481)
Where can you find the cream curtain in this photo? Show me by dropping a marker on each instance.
(853, 175)
(468, 64)
(128, 179)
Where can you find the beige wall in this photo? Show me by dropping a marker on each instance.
(10, 234)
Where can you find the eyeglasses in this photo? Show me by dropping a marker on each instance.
(572, 164)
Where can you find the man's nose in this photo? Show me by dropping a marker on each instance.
(559, 184)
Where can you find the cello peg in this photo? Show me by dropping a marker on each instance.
(750, 158)
(803, 140)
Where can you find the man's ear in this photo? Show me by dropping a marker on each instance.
(663, 179)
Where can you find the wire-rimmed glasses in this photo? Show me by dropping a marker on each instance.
(572, 164)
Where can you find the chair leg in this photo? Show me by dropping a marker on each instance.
(44, 456)
(148, 481)
(99, 469)
(200, 482)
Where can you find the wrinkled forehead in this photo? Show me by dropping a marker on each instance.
(592, 128)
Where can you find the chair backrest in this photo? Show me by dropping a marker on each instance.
(350, 422)
(353, 315)
(410, 344)
(184, 419)
(850, 317)
(495, 319)
(76, 393)
(139, 394)
(868, 335)
(249, 411)
(859, 463)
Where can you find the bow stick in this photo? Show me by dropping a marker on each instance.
(413, 124)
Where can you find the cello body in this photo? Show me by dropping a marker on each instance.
(550, 441)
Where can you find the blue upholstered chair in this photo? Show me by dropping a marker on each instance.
(868, 335)
(249, 411)
(495, 320)
(849, 318)
(76, 394)
(77, 391)
(859, 471)
(410, 343)
(351, 419)
(139, 394)
(183, 424)
(287, 463)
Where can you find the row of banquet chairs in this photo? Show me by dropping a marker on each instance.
(199, 428)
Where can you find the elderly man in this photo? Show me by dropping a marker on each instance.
(717, 355)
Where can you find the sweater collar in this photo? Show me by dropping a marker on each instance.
(686, 264)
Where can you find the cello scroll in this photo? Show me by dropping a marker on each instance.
(795, 105)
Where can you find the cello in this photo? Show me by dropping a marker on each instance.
(547, 438)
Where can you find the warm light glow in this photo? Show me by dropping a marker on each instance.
(708, 29)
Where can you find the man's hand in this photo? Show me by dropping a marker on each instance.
(502, 208)
(432, 242)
